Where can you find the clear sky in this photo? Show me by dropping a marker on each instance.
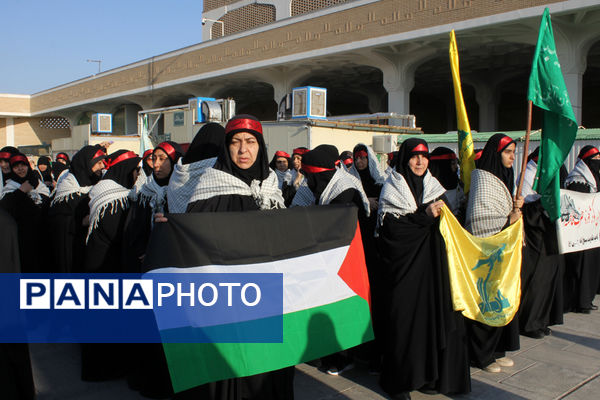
(45, 43)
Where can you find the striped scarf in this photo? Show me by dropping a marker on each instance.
(104, 194)
(215, 182)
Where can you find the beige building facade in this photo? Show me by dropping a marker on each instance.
(372, 56)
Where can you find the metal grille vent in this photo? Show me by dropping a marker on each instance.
(244, 18)
(54, 123)
(305, 6)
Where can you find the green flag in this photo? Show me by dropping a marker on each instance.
(547, 90)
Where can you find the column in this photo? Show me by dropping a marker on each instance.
(10, 131)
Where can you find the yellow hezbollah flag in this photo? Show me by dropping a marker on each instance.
(465, 140)
(485, 273)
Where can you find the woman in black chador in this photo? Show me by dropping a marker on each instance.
(424, 343)
(69, 208)
(241, 181)
(26, 198)
(582, 273)
(493, 207)
(109, 206)
(541, 269)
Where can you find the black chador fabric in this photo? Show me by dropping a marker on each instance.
(424, 339)
(104, 244)
(29, 216)
(272, 385)
(486, 343)
(207, 143)
(441, 168)
(66, 213)
(424, 342)
(47, 174)
(16, 378)
(541, 283)
(103, 254)
(138, 225)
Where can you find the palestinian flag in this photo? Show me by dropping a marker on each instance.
(326, 299)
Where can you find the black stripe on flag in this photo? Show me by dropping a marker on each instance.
(251, 237)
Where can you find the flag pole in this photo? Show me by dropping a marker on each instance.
(526, 148)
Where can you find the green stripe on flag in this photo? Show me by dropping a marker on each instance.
(307, 335)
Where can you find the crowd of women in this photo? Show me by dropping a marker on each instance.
(95, 213)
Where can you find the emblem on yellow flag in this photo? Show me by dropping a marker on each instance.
(485, 273)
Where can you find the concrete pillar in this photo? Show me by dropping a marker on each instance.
(398, 82)
(486, 100)
(574, 82)
(572, 51)
(10, 131)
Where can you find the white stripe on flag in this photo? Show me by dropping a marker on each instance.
(308, 281)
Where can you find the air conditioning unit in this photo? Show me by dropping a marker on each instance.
(384, 143)
(195, 104)
(309, 102)
(221, 110)
(101, 123)
(208, 109)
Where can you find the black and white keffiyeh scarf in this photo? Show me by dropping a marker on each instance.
(67, 187)
(106, 194)
(153, 195)
(374, 170)
(181, 185)
(215, 182)
(304, 197)
(489, 204)
(342, 180)
(139, 183)
(387, 172)
(285, 176)
(581, 173)
(35, 194)
(398, 200)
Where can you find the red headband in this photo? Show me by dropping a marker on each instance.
(315, 170)
(337, 162)
(505, 141)
(167, 148)
(300, 151)
(282, 154)
(390, 156)
(590, 153)
(361, 153)
(62, 156)
(243, 124)
(449, 156)
(420, 148)
(122, 157)
(147, 153)
(5, 155)
(18, 158)
(348, 161)
(99, 154)
(478, 155)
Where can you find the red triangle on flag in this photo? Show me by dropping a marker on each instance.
(354, 268)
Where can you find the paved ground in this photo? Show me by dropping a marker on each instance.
(563, 365)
